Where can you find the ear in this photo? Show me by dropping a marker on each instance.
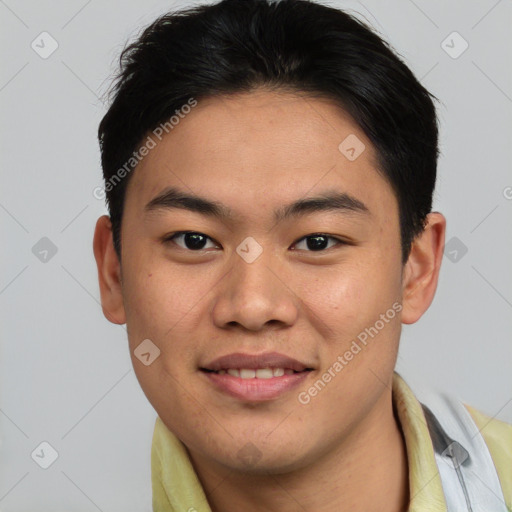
(421, 272)
(109, 272)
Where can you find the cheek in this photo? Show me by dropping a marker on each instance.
(166, 307)
(157, 300)
(343, 300)
(159, 308)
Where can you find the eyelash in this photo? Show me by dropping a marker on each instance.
(170, 238)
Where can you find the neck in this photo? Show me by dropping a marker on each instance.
(366, 471)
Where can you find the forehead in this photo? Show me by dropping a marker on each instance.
(262, 148)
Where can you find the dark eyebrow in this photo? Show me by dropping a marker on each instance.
(330, 200)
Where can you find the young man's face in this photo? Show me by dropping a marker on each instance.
(254, 154)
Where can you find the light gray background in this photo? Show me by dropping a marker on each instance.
(66, 376)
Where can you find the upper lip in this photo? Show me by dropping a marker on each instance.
(266, 360)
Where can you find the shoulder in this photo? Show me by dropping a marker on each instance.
(498, 438)
(460, 432)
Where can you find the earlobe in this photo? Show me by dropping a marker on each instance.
(109, 272)
(421, 272)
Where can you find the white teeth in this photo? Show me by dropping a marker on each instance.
(264, 373)
(260, 373)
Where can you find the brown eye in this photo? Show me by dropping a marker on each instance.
(191, 240)
(318, 242)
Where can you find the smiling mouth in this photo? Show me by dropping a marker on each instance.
(256, 384)
(258, 373)
(255, 377)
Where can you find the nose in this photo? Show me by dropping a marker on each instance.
(255, 295)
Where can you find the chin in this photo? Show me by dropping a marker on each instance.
(262, 456)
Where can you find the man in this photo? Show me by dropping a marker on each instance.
(269, 169)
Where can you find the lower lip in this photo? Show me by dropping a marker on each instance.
(256, 390)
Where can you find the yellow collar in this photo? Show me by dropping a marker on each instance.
(176, 487)
(425, 488)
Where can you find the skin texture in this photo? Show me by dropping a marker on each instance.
(256, 152)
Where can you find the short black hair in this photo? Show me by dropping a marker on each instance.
(236, 46)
